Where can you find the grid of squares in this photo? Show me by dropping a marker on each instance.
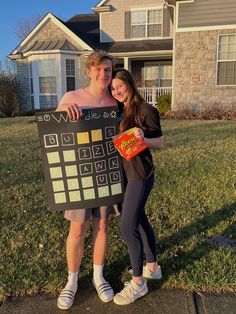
(79, 170)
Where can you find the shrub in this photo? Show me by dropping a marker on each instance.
(9, 95)
(32, 112)
(210, 113)
(164, 103)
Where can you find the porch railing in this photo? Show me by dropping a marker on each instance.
(151, 94)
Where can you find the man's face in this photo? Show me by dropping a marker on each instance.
(101, 74)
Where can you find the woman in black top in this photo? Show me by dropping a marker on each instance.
(135, 227)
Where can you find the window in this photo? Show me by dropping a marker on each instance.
(146, 23)
(226, 60)
(47, 83)
(47, 76)
(70, 74)
(159, 75)
(151, 75)
(165, 76)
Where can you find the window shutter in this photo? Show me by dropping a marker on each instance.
(127, 24)
(166, 22)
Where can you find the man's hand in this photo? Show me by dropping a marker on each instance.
(73, 110)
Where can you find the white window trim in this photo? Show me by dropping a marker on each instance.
(146, 24)
(218, 61)
(60, 74)
(63, 59)
(56, 77)
(74, 76)
(35, 74)
(158, 64)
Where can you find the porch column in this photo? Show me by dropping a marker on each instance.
(127, 63)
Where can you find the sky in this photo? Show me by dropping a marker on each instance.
(13, 11)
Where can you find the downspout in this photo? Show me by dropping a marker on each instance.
(166, 4)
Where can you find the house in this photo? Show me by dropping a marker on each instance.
(204, 54)
(187, 48)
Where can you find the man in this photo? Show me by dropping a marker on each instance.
(99, 67)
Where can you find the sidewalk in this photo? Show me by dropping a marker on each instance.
(158, 301)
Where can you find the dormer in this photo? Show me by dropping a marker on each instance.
(133, 20)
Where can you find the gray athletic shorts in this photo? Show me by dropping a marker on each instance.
(85, 214)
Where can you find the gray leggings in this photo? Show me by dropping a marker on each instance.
(135, 227)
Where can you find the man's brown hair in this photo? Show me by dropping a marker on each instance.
(97, 57)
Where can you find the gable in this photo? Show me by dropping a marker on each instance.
(50, 28)
(103, 2)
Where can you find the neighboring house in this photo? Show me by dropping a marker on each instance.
(187, 48)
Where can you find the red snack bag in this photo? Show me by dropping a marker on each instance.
(128, 144)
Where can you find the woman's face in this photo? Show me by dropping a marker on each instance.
(119, 90)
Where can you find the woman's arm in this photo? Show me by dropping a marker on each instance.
(155, 142)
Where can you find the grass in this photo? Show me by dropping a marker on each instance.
(194, 198)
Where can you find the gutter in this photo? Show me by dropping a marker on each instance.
(167, 4)
(16, 56)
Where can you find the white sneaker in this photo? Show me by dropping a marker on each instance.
(148, 274)
(130, 293)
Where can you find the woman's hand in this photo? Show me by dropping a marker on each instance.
(73, 110)
(139, 133)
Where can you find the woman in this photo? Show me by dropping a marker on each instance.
(135, 227)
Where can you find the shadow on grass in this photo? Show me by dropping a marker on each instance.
(204, 125)
(175, 264)
(199, 133)
(113, 273)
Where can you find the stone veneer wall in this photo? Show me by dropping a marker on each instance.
(195, 72)
(23, 79)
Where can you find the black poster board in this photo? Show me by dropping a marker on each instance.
(82, 168)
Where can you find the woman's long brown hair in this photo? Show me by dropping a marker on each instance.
(132, 111)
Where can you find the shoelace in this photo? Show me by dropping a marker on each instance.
(128, 289)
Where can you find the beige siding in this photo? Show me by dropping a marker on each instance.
(50, 31)
(207, 13)
(23, 79)
(113, 23)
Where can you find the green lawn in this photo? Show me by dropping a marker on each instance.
(194, 199)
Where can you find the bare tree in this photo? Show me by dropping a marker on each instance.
(10, 95)
(25, 26)
(7, 66)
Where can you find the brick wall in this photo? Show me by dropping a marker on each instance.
(195, 72)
